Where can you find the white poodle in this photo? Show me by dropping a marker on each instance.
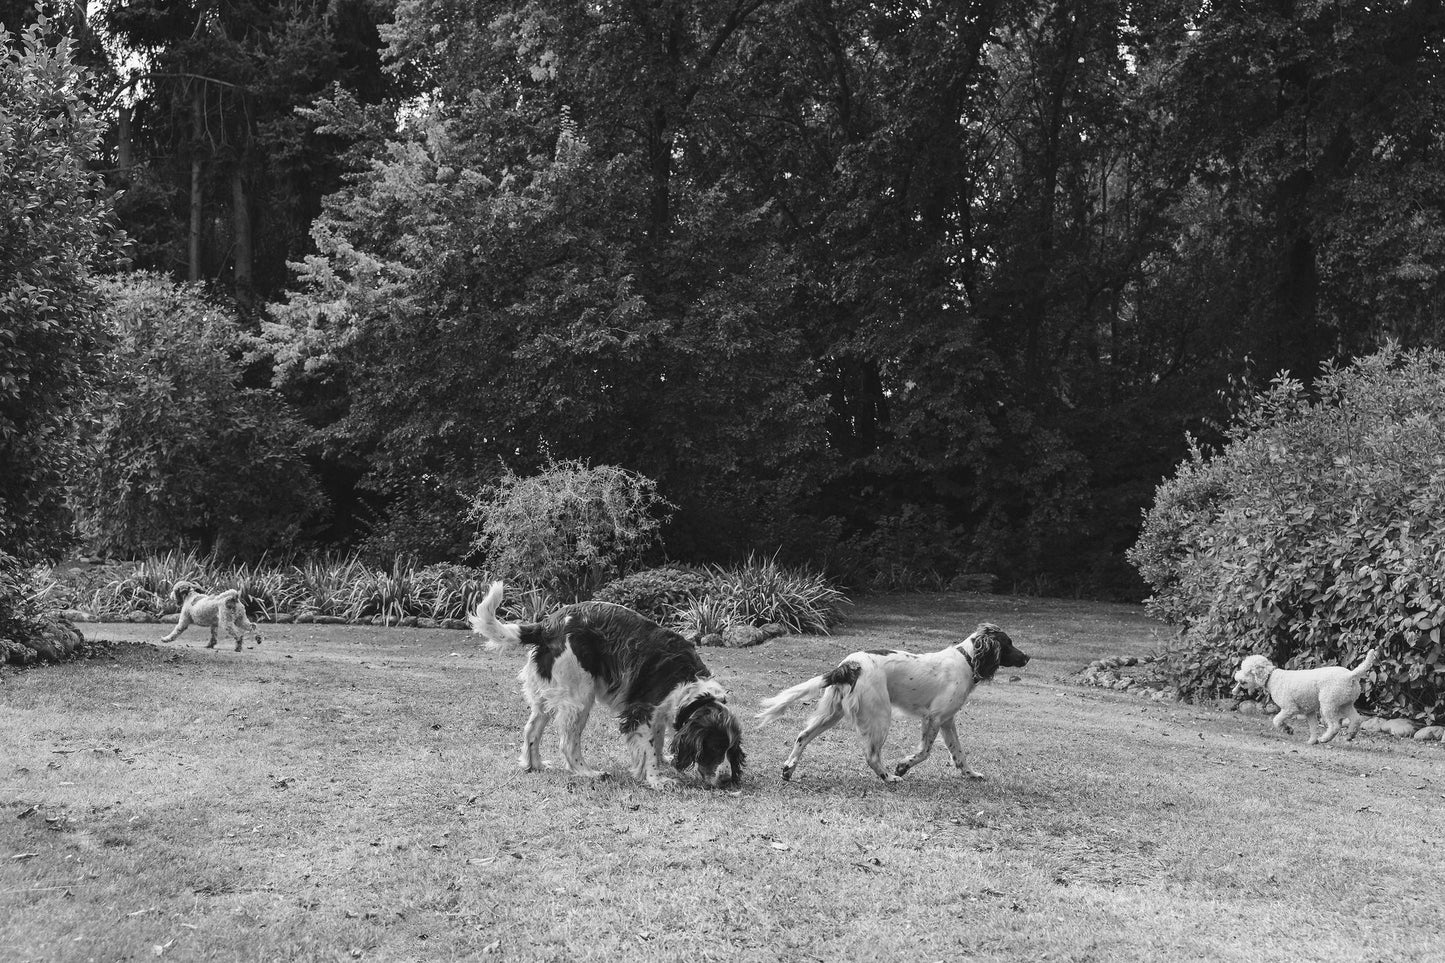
(222, 610)
(1328, 693)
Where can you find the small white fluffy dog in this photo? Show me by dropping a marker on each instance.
(1327, 693)
(222, 610)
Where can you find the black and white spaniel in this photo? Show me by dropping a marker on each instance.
(866, 688)
(650, 676)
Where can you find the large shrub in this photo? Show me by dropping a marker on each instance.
(1316, 533)
(569, 526)
(55, 233)
(30, 628)
(181, 449)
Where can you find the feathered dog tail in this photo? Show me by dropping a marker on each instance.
(499, 635)
(846, 673)
(1358, 672)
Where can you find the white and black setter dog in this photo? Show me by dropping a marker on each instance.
(867, 687)
(650, 676)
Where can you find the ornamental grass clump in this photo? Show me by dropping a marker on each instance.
(762, 592)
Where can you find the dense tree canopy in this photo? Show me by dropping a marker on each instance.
(943, 282)
(904, 287)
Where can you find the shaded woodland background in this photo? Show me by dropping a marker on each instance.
(903, 289)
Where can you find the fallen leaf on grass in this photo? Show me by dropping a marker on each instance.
(481, 860)
(24, 855)
(779, 846)
(29, 812)
(493, 947)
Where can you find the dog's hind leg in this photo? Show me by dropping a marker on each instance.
(531, 758)
(872, 714)
(1352, 725)
(955, 749)
(228, 626)
(930, 733)
(212, 644)
(572, 719)
(828, 714)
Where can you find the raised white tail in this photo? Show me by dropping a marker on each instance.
(1359, 671)
(778, 704)
(499, 635)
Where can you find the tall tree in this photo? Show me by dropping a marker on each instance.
(220, 157)
(56, 234)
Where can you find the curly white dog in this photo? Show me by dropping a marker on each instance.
(223, 610)
(1327, 693)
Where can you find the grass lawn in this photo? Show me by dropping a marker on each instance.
(350, 793)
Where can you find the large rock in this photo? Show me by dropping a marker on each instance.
(1399, 728)
(1431, 734)
(742, 636)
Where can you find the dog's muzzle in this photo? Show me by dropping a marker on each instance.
(721, 776)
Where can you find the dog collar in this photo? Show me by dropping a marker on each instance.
(969, 659)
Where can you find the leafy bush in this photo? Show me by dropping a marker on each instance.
(30, 626)
(761, 592)
(182, 451)
(1314, 535)
(54, 236)
(569, 526)
(655, 592)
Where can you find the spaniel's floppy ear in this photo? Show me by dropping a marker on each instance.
(686, 745)
(987, 652)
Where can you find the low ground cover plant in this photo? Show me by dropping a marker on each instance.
(1313, 535)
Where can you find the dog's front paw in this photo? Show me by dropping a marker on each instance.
(973, 774)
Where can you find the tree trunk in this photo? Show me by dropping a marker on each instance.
(198, 129)
(244, 289)
(124, 156)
